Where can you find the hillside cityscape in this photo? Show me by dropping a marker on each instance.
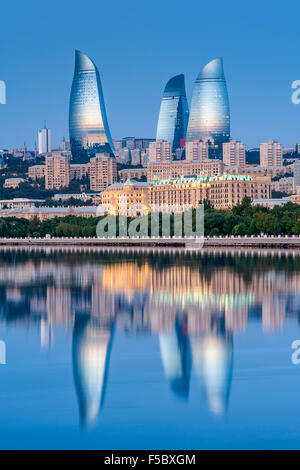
(192, 159)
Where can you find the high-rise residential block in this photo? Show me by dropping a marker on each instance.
(209, 114)
(174, 113)
(197, 150)
(44, 139)
(135, 156)
(65, 145)
(296, 174)
(57, 171)
(103, 171)
(160, 151)
(234, 153)
(271, 153)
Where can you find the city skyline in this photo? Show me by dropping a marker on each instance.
(259, 78)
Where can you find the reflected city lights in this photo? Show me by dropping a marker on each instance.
(194, 303)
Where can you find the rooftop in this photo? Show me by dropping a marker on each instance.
(202, 179)
(129, 182)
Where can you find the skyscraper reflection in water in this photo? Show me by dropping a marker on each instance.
(213, 361)
(193, 303)
(91, 352)
(175, 355)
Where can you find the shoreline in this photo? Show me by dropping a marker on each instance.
(194, 244)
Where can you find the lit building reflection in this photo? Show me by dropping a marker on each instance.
(175, 355)
(213, 361)
(193, 304)
(91, 351)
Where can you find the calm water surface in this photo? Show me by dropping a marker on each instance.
(164, 350)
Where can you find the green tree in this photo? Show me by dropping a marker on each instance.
(296, 228)
(240, 229)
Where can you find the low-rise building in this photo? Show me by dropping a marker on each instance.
(47, 213)
(222, 191)
(270, 203)
(132, 173)
(283, 185)
(84, 196)
(166, 170)
(13, 182)
(272, 171)
(36, 172)
(128, 198)
(173, 194)
(20, 203)
(295, 198)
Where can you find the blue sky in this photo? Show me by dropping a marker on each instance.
(137, 47)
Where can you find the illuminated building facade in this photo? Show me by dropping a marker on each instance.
(222, 191)
(88, 124)
(129, 198)
(165, 170)
(209, 114)
(174, 113)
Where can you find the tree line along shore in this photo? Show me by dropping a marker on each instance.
(243, 219)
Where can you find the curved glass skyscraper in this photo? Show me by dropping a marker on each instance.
(174, 112)
(87, 115)
(209, 113)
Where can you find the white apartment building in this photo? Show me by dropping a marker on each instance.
(271, 153)
(44, 138)
(234, 153)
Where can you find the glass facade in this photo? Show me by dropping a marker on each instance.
(209, 113)
(87, 115)
(174, 113)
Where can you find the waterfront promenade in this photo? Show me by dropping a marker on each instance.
(190, 243)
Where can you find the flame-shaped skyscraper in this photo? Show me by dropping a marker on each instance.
(87, 115)
(174, 113)
(209, 114)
